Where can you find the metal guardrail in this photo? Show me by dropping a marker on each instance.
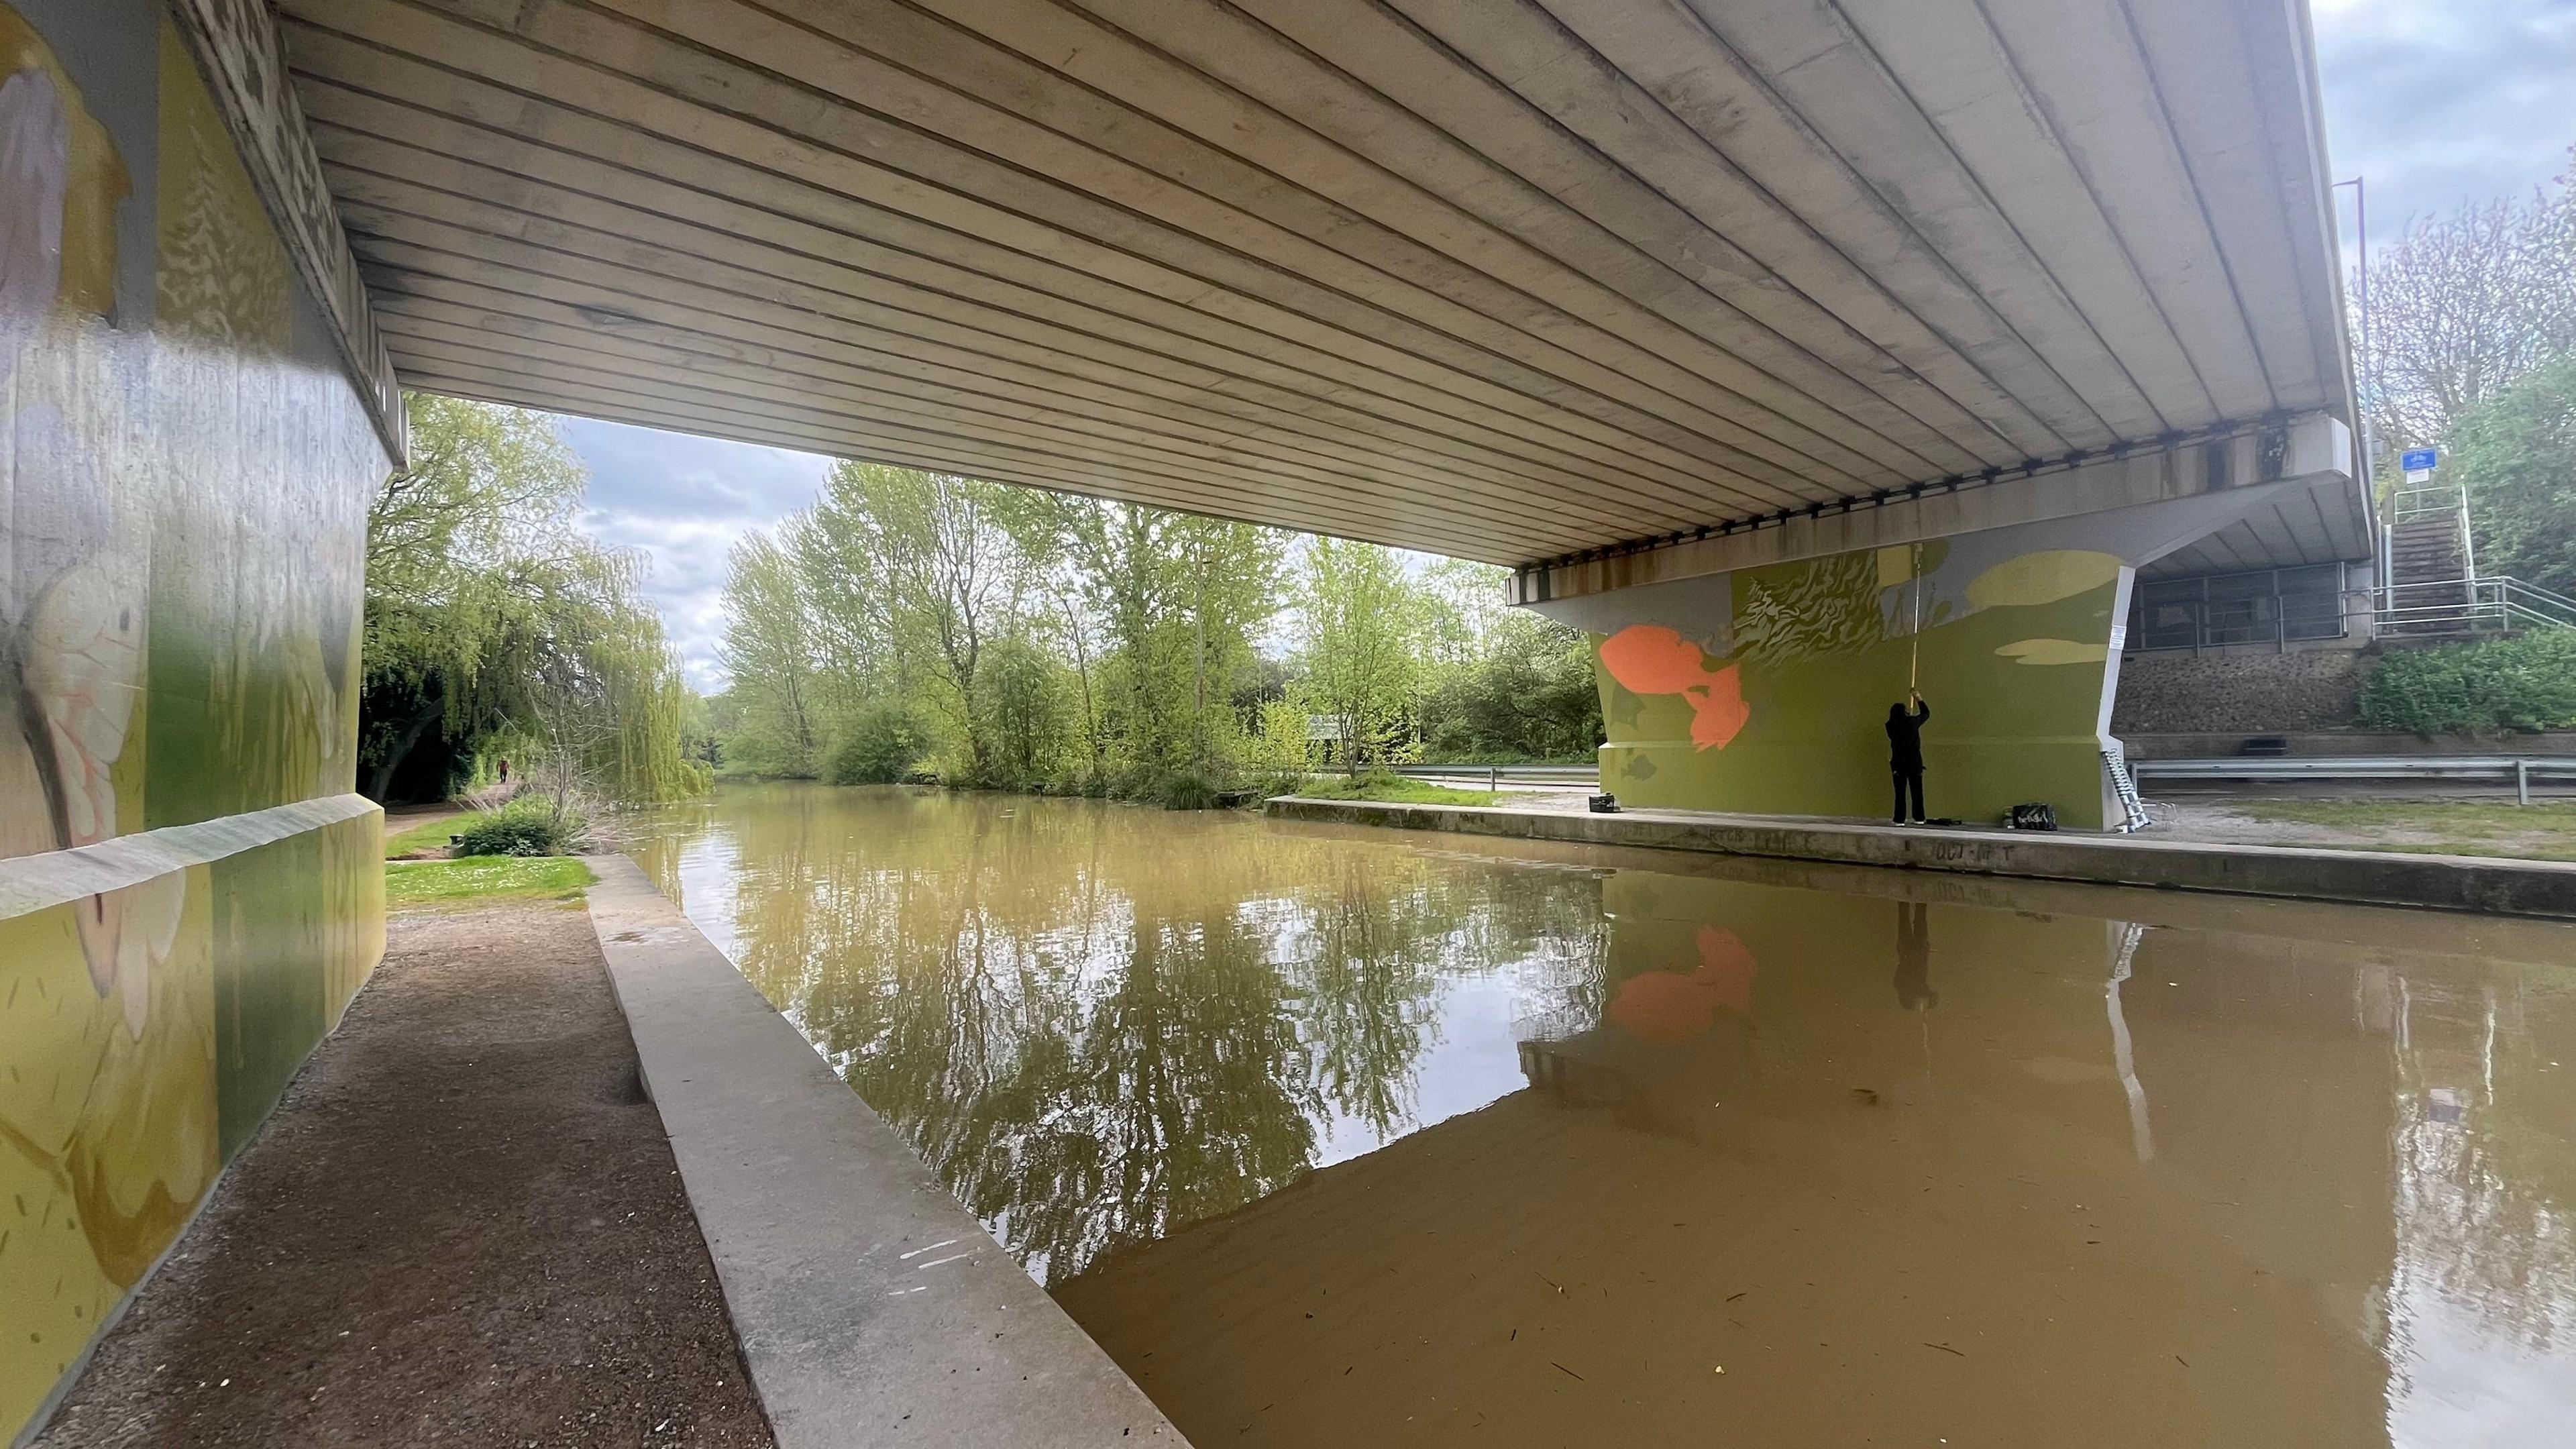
(2519, 771)
(1496, 777)
(2256, 769)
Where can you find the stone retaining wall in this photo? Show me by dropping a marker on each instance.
(2175, 692)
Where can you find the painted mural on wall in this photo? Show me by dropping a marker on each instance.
(183, 479)
(1771, 695)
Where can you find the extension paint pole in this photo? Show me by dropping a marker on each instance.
(1914, 671)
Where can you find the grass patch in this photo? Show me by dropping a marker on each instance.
(430, 835)
(2540, 831)
(486, 879)
(1392, 790)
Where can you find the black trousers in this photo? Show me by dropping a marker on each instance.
(1909, 780)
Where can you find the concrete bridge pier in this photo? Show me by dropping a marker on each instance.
(1752, 670)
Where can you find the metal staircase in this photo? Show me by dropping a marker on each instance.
(2133, 809)
(2432, 564)
(2433, 589)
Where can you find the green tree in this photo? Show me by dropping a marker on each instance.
(1180, 603)
(1071, 643)
(2516, 455)
(1364, 625)
(1024, 698)
(1528, 695)
(1505, 684)
(771, 653)
(930, 569)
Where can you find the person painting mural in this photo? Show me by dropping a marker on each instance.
(1905, 753)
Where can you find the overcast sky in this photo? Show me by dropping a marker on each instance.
(2434, 101)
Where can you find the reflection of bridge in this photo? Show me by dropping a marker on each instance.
(1869, 1218)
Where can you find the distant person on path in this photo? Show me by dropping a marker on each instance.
(1905, 753)
(505, 772)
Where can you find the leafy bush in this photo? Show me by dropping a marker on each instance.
(1023, 713)
(1183, 790)
(2523, 683)
(880, 745)
(525, 826)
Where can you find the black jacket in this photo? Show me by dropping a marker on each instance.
(1905, 738)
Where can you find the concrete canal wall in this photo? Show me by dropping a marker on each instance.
(871, 1307)
(2441, 882)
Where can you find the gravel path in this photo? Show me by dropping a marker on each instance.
(462, 1227)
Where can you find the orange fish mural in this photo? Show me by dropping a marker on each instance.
(1651, 659)
(1668, 1007)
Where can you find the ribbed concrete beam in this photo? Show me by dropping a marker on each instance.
(1515, 280)
(2299, 467)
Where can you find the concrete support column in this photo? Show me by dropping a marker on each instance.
(1767, 688)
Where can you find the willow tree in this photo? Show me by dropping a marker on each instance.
(488, 607)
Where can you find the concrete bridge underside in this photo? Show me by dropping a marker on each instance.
(1514, 280)
(1962, 312)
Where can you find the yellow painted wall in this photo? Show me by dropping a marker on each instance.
(1777, 702)
(184, 474)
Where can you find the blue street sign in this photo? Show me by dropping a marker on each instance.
(2419, 460)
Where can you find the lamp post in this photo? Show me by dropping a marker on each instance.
(2369, 443)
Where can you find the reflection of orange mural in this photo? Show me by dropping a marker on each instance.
(1651, 659)
(1674, 1006)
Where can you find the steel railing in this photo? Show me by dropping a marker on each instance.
(2420, 505)
(2518, 770)
(1495, 777)
(2479, 606)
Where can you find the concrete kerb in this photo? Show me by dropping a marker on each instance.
(871, 1307)
(2545, 889)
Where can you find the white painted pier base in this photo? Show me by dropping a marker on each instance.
(872, 1308)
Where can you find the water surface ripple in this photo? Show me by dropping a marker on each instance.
(1341, 1137)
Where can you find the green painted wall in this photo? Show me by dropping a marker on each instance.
(184, 475)
(1771, 694)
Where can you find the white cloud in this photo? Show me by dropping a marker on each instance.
(2440, 101)
(683, 502)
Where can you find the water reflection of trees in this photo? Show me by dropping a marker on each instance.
(1099, 1023)
(2485, 1199)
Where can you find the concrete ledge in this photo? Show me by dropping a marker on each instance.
(39, 882)
(2439, 882)
(872, 1308)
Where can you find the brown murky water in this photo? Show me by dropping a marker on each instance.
(1343, 1137)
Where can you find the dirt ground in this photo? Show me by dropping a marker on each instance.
(462, 1226)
